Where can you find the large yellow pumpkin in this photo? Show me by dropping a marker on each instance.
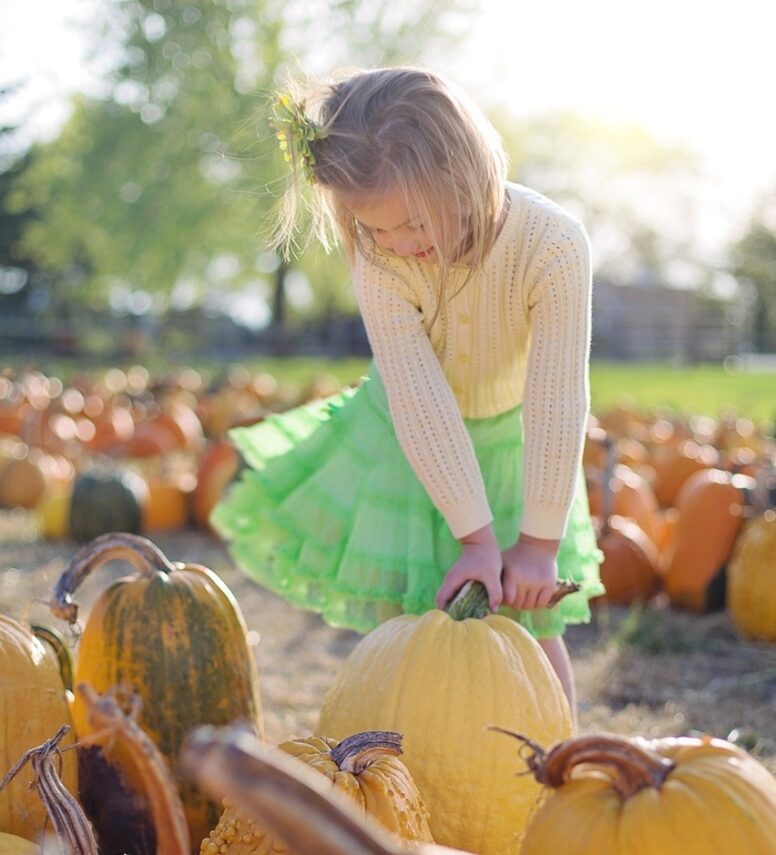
(751, 592)
(365, 766)
(671, 796)
(173, 635)
(33, 706)
(10, 844)
(441, 681)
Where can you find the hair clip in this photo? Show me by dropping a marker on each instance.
(295, 131)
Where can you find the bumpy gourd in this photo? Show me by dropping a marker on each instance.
(441, 679)
(173, 635)
(366, 767)
(299, 806)
(671, 796)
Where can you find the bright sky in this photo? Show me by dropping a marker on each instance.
(702, 71)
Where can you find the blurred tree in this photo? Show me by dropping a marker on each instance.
(639, 198)
(166, 185)
(17, 270)
(753, 263)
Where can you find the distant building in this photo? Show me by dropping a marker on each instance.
(654, 323)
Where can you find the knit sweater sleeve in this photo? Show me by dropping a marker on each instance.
(556, 396)
(425, 414)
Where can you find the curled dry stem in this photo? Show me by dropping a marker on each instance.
(357, 752)
(140, 552)
(630, 767)
(70, 823)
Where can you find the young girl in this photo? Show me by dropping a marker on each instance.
(458, 457)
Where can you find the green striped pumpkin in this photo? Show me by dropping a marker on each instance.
(106, 500)
(172, 635)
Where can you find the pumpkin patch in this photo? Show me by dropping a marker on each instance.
(680, 506)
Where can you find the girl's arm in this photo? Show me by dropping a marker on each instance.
(555, 405)
(429, 424)
(425, 414)
(556, 397)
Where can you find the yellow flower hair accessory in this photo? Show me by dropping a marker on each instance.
(295, 132)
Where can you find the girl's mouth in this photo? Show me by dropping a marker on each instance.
(424, 253)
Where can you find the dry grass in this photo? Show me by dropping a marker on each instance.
(649, 671)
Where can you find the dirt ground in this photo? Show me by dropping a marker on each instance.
(646, 671)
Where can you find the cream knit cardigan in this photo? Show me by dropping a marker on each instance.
(518, 332)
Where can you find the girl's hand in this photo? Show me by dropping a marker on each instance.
(480, 559)
(530, 572)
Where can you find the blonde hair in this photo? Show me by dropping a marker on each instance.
(399, 129)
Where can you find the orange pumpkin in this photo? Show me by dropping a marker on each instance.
(170, 491)
(630, 569)
(218, 465)
(676, 465)
(709, 510)
(632, 497)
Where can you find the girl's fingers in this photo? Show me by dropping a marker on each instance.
(451, 584)
(495, 592)
(509, 590)
(531, 598)
(444, 595)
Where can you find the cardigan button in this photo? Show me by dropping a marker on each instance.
(463, 358)
(463, 318)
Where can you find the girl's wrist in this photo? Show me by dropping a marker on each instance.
(481, 537)
(551, 547)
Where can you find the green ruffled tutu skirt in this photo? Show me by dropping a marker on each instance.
(329, 514)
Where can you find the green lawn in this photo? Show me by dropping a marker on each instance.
(703, 389)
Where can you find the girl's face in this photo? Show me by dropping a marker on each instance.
(397, 228)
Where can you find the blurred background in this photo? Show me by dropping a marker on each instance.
(142, 315)
(137, 175)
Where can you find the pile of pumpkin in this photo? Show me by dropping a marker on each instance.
(422, 740)
(684, 509)
(122, 450)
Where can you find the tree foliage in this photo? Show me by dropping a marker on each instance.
(168, 183)
(639, 197)
(753, 262)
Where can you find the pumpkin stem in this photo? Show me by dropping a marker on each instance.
(70, 823)
(57, 644)
(112, 727)
(144, 556)
(359, 751)
(298, 805)
(631, 767)
(472, 600)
